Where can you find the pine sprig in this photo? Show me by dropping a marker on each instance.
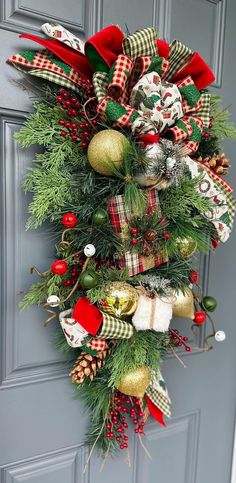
(222, 127)
(144, 348)
(177, 271)
(107, 276)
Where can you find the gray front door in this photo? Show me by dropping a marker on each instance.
(41, 425)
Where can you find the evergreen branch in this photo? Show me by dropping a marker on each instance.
(144, 348)
(222, 127)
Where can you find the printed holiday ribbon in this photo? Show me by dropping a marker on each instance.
(58, 32)
(220, 192)
(119, 63)
(74, 333)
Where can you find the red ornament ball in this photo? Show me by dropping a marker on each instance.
(193, 277)
(134, 241)
(199, 317)
(133, 231)
(206, 135)
(69, 220)
(167, 236)
(59, 267)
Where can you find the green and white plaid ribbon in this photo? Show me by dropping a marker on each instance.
(100, 83)
(158, 394)
(141, 43)
(178, 56)
(113, 328)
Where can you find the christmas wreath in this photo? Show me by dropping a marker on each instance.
(130, 178)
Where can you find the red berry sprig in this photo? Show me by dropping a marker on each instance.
(175, 335)
(122, 406)
(166, 234)
(71, 128)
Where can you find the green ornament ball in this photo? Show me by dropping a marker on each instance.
(88, 279)
(99, 216)
(209, 303)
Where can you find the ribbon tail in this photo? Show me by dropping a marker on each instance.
(155, 412)
(74, 59)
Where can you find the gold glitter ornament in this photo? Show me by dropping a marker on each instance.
(106, 150)
(186, 247)
(184, 304)
(135, 382)
(121, 299)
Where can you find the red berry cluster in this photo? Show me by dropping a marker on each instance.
(124, 405)
(77, 131)
(76, 269)
(206, 133)
(181, 340)
(166, 233)
(134, 232)
(105, 261)
(68, 103)
(136, 236)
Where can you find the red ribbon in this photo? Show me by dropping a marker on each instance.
(155, 412)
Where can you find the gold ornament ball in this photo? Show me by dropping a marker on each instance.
(121, 299)
(106, 150)
(184, 304)
(134, 383)
(186, 247)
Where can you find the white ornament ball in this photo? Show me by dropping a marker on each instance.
(89, 250)
(220, 336)
(53, 301)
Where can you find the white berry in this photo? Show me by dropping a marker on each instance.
(220, 336)
(53, 301)
(89, 250)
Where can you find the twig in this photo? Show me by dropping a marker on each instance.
(85, 113)
(105, 457)
(128, 459)
(94, 444)
(178, 358)
(40, 274)
(50, 312)
(144, 447)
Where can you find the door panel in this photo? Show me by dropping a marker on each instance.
(43, 426)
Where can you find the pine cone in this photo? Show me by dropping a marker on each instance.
(87, 365)
(218, 163)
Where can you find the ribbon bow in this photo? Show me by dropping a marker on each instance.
(139, 91)
(115, 64)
